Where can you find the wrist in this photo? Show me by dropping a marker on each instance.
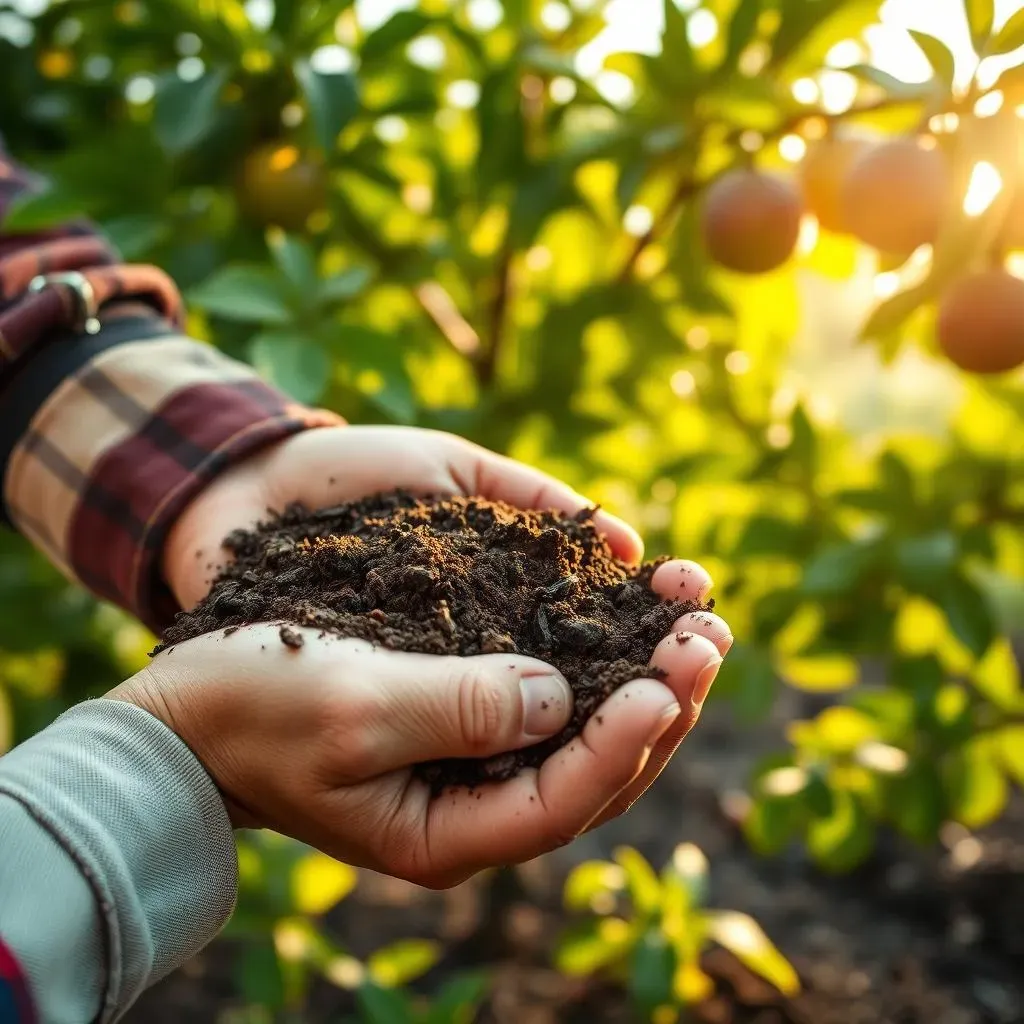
(148, 691)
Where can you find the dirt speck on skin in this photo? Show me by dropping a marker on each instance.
(291, 637)
(461, 576)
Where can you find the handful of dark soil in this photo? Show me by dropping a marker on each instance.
(459, 576)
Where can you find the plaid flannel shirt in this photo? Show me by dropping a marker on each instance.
(106, 437)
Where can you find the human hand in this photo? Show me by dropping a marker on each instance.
(332, 465)
(318, 743)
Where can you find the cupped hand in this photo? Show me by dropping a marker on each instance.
(332, 465)
(318, 742)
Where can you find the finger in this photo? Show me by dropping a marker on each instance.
(691, 663)
(708, 625)
(681, 580)
(493, 476)
(421, 707)
(542, 809)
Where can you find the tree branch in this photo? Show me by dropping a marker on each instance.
(498, 322)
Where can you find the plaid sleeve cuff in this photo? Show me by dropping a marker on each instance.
(15, 1003)
(118, 450)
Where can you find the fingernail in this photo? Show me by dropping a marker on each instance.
(547, 701)
(704, 680)
(664, 723)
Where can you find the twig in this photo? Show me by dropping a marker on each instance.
(441, 308)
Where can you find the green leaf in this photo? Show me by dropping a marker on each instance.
(378, 369)
(1010, 37)
(672, 70)
(980, 15)
(344, 286)
(296, 260)
(384, 1005)
(135, 236)
(891, 314)
(772, 823)
(403, 961)
(53, 204)
(247, 293)
(319, 882)
(333, 101)
(293, 362)
(939, 56)
(258, 975)
(770, 535)
(839, 568)
(818, 796)
(592, 945)
(895, 87)
(400, 28)
(459, 999)
(641, 880)
(746, 940)
(652, 968)
(742, 27)
(969, 615)
(917, 803)
(976, 784)
(925, 562)
(592, 880)
(748, 681)
(842, 840)
(185, 113)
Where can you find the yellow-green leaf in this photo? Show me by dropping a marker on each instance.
(403, 961)
(843, 839)
(980, 15)
(319, 882)
(977, 785)
(997, 677)
(825, 674)
(841, 730)
(746, 940)
(591, 884)
(641, 880)
(1011, 750)
(939, 56)
(1011, 36)
(592, 945)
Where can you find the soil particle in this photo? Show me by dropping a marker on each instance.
(290, 637)
(462, 576)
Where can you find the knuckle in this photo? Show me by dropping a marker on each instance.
(481, 708)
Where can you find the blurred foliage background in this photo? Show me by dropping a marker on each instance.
(498, 219)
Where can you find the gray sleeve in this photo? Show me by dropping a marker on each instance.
(117, 859)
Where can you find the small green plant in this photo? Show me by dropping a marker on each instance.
(457, 1002)
(285, 888)
(649, 931)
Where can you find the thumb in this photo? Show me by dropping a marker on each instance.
(431, 707)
